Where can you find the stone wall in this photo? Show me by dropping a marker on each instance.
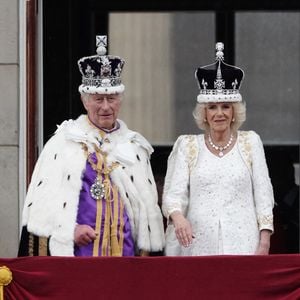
(9, 131)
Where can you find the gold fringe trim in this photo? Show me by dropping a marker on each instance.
(43, 246)
(30, 244)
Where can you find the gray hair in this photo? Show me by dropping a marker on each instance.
(239, 114)
(85, 96)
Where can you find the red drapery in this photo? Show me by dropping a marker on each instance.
(212, 277)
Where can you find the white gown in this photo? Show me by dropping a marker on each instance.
(221, 193)
(221, 208)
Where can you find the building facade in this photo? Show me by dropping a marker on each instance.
(162, 44)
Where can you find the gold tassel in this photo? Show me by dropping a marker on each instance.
(97, 228)
(115, 247)
(121, 230)
(110, 243)
(5, 279)
(106, 232)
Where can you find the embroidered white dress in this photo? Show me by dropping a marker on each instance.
(217, 197)
(220, 192)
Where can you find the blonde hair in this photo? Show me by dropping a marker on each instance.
(239, 115)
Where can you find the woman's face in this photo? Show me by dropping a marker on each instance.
(219, 115)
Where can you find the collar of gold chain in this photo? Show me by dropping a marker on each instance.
(101, 166)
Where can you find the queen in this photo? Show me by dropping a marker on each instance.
(218, 196)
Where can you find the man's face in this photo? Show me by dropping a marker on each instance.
(103, 109)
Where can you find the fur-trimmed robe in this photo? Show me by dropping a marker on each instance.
(51, 204)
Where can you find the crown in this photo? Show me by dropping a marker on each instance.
(219, 82)
(101, 73)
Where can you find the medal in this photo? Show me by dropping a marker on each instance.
(97, 189)
(100, 189)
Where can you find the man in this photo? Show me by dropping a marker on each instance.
(92, 192)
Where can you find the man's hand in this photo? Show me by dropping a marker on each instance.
(83, 235)
(144, 253)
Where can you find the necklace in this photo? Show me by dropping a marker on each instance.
(220, 148)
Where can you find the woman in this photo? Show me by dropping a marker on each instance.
(218, 197)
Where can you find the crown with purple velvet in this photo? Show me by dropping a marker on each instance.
(101, 73)
(219, 82)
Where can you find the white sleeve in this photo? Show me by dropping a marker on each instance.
(262, 187)
(176, 187)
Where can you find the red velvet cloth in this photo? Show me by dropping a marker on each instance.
(155, 278)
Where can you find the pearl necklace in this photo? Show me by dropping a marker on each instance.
(220, 148)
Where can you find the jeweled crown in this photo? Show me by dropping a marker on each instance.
(101, 73)
(219, 82)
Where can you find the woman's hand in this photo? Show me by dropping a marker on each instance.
(183, 229)
(264, 243)
(262, 249)
(83, 235)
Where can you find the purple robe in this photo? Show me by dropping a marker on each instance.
(87, 211)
